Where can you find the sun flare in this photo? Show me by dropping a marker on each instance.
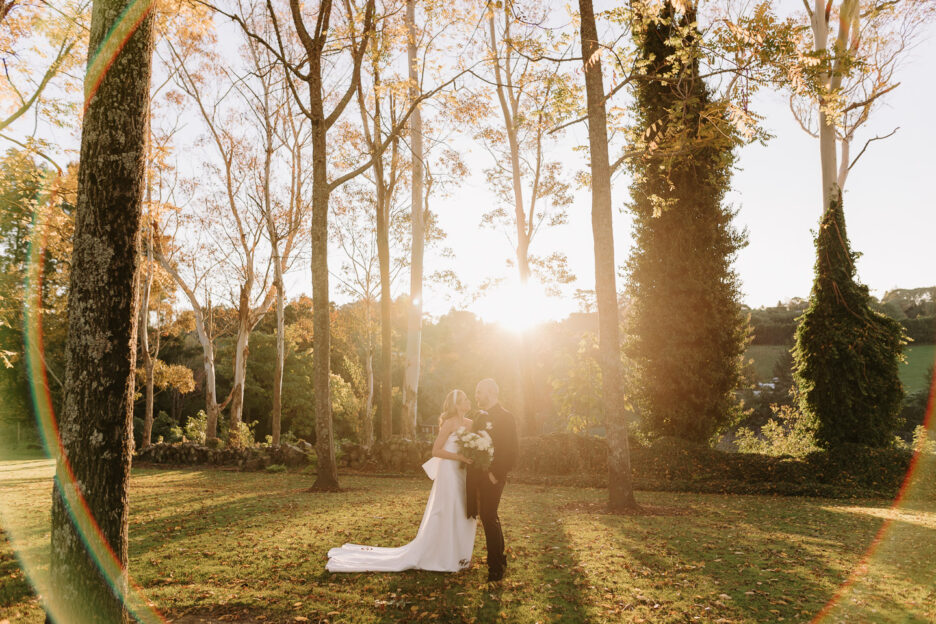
(519, 308)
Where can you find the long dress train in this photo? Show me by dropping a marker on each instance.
(446, 536)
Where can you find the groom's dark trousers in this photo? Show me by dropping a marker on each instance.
(484, 496)
(493, 534)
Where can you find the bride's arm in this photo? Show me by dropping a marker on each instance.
(437, 451)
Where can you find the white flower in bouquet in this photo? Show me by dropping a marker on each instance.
(476, 447)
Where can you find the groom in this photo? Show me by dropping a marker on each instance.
(485, 487)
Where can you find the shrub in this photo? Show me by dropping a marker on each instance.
(195, 427)
(243, 436)
(790, 433)
(563, 453)
(165, 429)
(276, 468)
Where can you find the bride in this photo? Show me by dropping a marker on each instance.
(446, 536)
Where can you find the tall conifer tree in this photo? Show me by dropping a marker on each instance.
(687, 332)
(846, 354)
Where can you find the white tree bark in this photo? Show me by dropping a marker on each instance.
(212, 408)
(414, 323)
(833, 178)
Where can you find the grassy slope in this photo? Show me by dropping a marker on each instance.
(912, 374)
(241, 545)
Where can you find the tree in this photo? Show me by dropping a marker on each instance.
(846, 355)
(530, 96)
(354, 228)
(840, 86)
(687, 331)
(418, 221)
(93, 456)
(305, 67)
(274, 110)
(620, 481)
(833, 91)
(386, 176)
(38, 48)
(38, 213)
(238, 216)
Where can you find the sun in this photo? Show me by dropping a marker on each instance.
(519, 308)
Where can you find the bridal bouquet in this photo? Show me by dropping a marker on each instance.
(476, 446)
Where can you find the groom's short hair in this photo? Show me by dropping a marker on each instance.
(489, 384)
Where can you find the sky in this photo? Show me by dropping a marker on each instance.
(889, 208)
(889, 205)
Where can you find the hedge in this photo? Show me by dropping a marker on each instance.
(668, 464)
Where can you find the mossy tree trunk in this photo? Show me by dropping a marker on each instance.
(95, 422)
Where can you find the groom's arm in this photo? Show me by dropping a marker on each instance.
(505, 447)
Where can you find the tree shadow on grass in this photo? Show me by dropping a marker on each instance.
(895, 577)
(15, 587)
(758, 559)
(541, 584)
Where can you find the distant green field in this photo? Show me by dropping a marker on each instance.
(912, 374)
(765, 357)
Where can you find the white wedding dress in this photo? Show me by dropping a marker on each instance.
(446, 536)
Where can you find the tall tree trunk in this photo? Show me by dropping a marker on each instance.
(368, 433)
(508, 105)
(414, 322)
(280, 354)
(620, 486)
(386, 334)
(832, 80)
(240, 361)
(212, 409)
(148, 364)
(327, 477)
(102, 320)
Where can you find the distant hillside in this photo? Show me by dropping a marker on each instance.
(914, 308)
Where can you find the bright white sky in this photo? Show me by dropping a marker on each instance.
(889, 206)
(889, 210)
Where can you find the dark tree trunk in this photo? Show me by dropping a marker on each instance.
(95, 423)
(620, 485)
(327, 477)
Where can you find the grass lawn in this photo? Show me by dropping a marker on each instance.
(919, 360)
(912, 374)
(212, 545)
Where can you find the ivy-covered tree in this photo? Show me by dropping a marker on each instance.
(687, 333)
(846, 354)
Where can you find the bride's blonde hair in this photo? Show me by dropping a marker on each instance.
(448, 406)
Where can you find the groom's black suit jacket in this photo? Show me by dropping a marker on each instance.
(503, 434)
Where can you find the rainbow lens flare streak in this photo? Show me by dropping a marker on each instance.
(115, 40)
(922, 470)
(85, 524)
(82, 516)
